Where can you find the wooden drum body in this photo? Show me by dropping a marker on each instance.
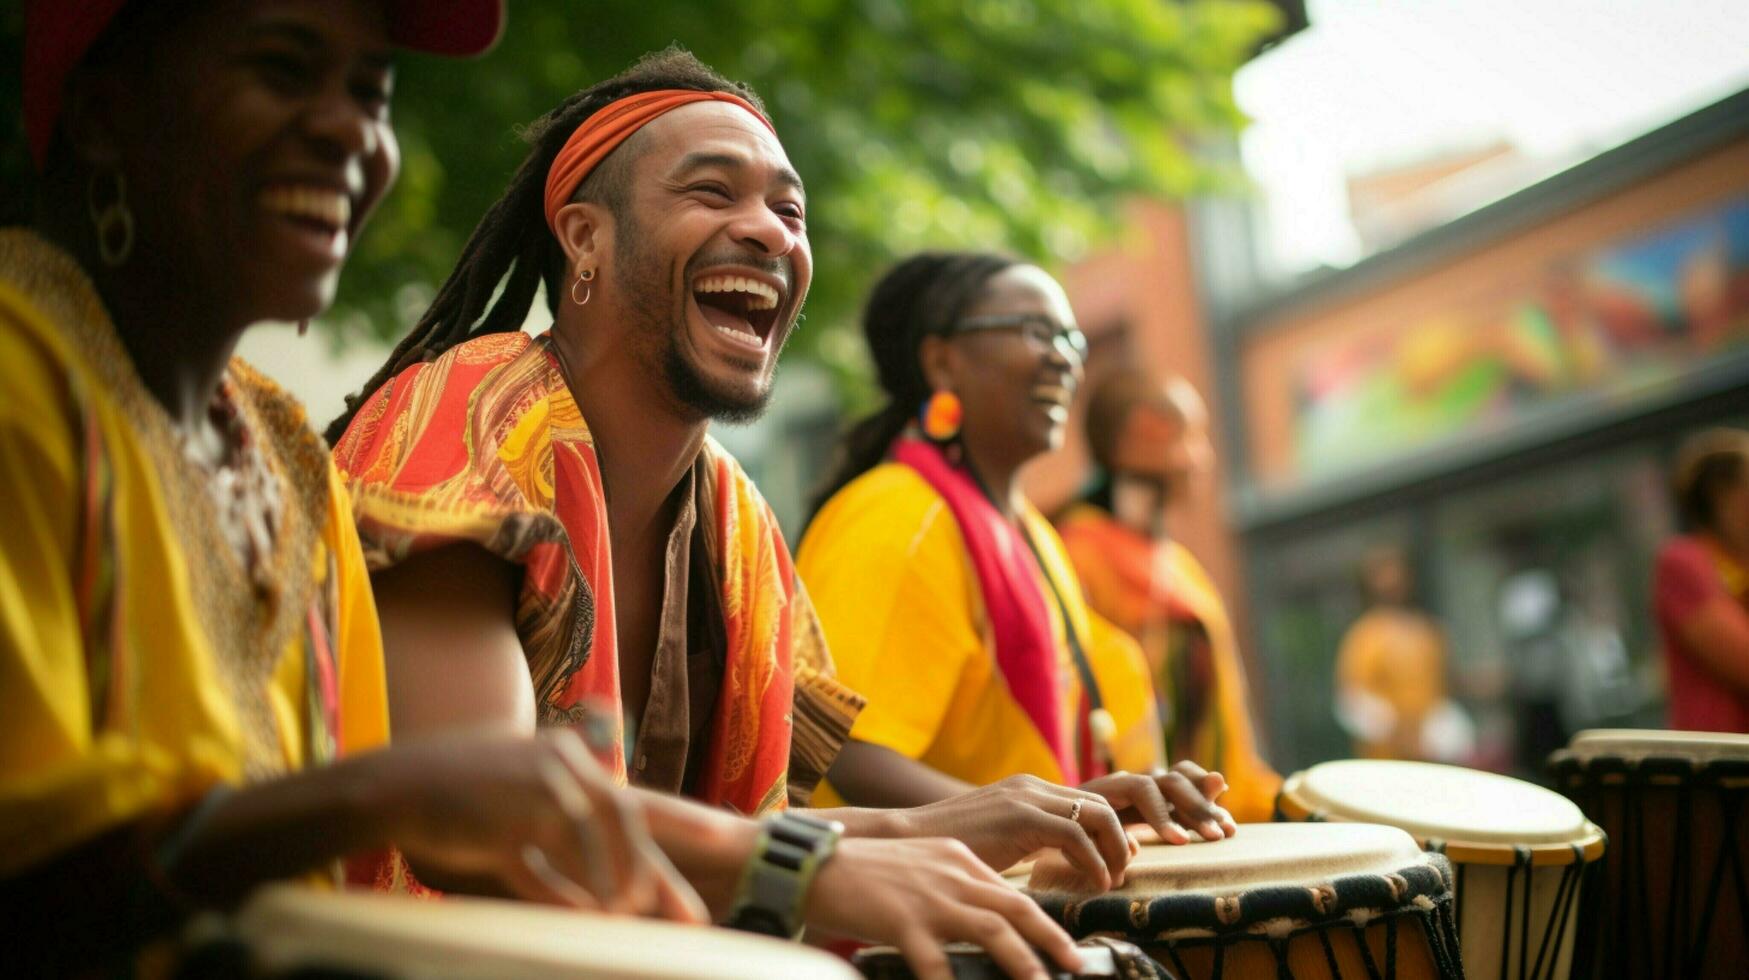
(1307, 901)
(292, 931)
(1520, 852)
(1674, 900)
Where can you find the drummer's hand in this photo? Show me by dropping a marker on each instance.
(1004, 822)
(537, 815)
(920, 893)
(1175, 802)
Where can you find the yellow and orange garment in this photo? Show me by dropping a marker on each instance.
(486, 445)
(1396, 655)
(139, 666)
(903, 612)
(1162, 596)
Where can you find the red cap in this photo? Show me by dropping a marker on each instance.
(57, 33)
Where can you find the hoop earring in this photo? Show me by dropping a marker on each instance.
(586, 276)
(111, 221)
(940, 417)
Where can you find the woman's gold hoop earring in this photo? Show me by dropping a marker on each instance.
(114, 221)
(583, 278)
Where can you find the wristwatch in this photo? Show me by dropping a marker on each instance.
(790, 850)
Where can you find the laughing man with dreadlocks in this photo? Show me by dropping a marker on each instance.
(550, 509)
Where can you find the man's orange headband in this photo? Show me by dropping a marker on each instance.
(612, 125)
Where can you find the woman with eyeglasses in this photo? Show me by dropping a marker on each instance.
(947, 599)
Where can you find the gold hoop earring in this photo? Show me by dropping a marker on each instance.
(583, 278)
(111, 221)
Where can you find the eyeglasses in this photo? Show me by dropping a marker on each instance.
(1042, 332)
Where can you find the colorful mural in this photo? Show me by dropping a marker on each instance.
(1613, 322)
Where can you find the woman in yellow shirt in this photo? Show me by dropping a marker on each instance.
(947, 599)
(190, 668)
(1390, 671)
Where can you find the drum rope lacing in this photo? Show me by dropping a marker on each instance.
(1440, 931)
(1567, 892)
(1686, 939)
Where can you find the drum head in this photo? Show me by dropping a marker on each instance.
(1260, 855)
(1432, 801)
(1633, 744)
(288, 928)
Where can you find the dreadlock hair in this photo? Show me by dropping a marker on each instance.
(922, 295)
(513, 240)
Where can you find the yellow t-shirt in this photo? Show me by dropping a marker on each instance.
(899, 600)
(181, 711)
(1398, 656)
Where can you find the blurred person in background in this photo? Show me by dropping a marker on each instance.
(1532, 615)
(1149, 439)
(1701, 584)
(191, 677)
(948, 599)
(1390, 672)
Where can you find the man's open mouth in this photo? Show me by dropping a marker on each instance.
(741, 308)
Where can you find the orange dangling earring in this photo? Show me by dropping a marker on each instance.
(940, 417)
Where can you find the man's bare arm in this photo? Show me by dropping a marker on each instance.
(450, 645)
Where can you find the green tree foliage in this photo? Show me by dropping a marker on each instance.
(1012, 124)
(1018, 124)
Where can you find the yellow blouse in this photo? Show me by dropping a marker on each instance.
(904, 618)
(139, 666)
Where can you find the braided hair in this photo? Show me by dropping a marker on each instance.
(923, 295)
(513, 240)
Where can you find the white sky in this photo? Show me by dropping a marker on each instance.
(1379, 82)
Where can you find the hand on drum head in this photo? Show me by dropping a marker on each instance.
(919, 894)
(1004, 822)
(537, 817)
(1175, 802)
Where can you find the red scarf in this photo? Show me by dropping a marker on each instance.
(1012, 585)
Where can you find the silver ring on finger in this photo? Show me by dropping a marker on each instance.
(1075, 811)
(536, 859)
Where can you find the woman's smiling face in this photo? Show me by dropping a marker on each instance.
(1017, 386)
(254, 139)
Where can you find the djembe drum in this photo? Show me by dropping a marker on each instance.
(1102, 958)
(1674, 900)
(288, 931)
(1311, 902)
(1519, 851)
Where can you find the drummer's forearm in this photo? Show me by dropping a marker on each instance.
(875, 776)
(709, 847)
(280, 828)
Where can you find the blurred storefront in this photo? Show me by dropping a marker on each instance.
(1499, 396)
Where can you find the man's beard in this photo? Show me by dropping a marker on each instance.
(656, 336)
(691, 388)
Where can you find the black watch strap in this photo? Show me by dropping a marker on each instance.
(774, 886)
